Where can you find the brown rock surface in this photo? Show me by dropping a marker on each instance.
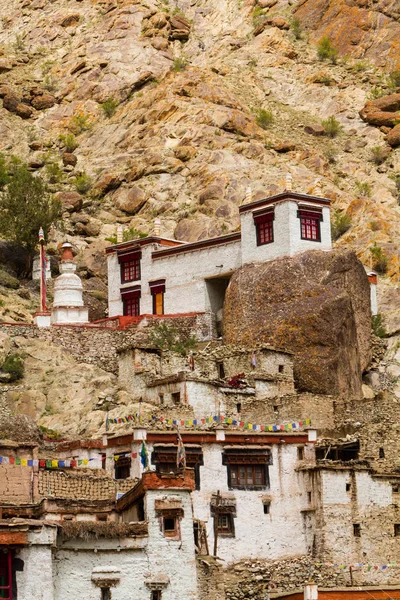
(315, 305)
(130, 200)
(384, 111)
(43, 101)
(71, 201)
(393, 138)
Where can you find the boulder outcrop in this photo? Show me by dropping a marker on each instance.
(315, 305)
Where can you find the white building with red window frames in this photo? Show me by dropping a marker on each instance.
(156, 275)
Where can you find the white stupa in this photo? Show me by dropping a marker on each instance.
(68, 307)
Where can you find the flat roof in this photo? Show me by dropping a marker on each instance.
(199, 245)
(286, 195)
(145, 241)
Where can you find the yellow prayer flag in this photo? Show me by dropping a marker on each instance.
(54, 463)
(24, 462)
(85, 461)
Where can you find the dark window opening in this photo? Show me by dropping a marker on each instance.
(239, 407)
(344, 452)
(381, 453)
(221, 370)
(225, 524)
(155, 595)
(348, 487)
(300, 452)
(140, 510)
(105, 593)
(397, 529)
(395, 488)
(309, 497)
(66, 518)
(266, 508)
(280, 368)
(264, 228)
(161, 398)
(165, 460)
(275, 409)
(170, 526)
(176, 398)
(130, 270)
(356, 530)
(103, 461)
(102, 518)
(131, 307)
(6, 578)
(310, 225)
(122, 467)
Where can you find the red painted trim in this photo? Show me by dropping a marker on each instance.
(151, 239)
(349, 594)
(206, 437)
(200, 245)
(283, 196)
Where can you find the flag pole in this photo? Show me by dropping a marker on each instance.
(43, 291)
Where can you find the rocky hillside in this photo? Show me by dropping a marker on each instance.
(133, 109)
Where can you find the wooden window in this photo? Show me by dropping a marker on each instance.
(247, 475)
(225, 525)
(356, 530)
(131, 307)
(130, 266)
(122, 467)
(247, 470)
(105, 593)
(396, 529)
(300, 452)
(157, 290)
(165, 460)
(170, 526)
(264, 228)
(155, 595)
(310, 225)
(6, 591)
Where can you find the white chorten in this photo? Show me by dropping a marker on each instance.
(68, 293)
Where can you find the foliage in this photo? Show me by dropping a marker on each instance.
(4, 171)
(179, 64)
(109, 107)
(264, 118)
(8, 281)
(54, 172)
(374, 226)
(340, 223)
(50, 434)
(258, 16)
(128, 234)
(14, 366)
(50, 83)
(83, 183)
(376, 92)
(394, 79)
(25, 206)
(363, 189)
(69, 141)
(19, 44)
(378, 326)
(295, 26)
(80, 122)
(330, 153)
(379, 259)
(332, 126)
(168, 337)
(396, 178)
(326, 51)
(359, 66)
(378, 155)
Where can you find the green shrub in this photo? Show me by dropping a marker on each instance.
(378, 326)
(14, 365)
(296, 28)
(359, 66)
(340, 223)
(326, 51)
(128, 234)
(374, 226)
(80, 122)
(378, 155)
(109, 107)
(83, 183)
(8, 281)
(379, 259)
(170, 338)
(330, 154)
(332, 126)
(69, 141)
(264, 118)
(179, 64)
(394, 79)
(54, 172)
(376, 92)
(363, 189)
(258, 16)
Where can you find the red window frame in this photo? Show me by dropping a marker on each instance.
(310, 225)
(6, 569)
(157, 288)
(131, 306)
(264, 228)
(130, 266)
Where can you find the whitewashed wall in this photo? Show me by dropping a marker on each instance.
(36, 579)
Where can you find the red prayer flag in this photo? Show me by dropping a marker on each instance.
(12, 460)
(42, 463)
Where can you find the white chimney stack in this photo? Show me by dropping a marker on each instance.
(249, 196)
(157, 226)
(310, 591)
(289, 182)
(120, 234)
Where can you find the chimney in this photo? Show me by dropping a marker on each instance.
(66, 252)
(157, 226)
(373, 280)
(120, 234)
(317, 188)
(289, 182)
(249, 196)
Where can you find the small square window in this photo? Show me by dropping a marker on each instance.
(68, 518)
(176, 398)
(265, 229)
(102, 518)
(169, 526)
(397, 529)
(381, 453)
(348, 487)
(395, 488)
(225, 524)
(300, 452)
(275, 409)
(266, 507)
(356, 530)
(239, 407)
(280, 369)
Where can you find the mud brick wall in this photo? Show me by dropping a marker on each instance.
(61, 484)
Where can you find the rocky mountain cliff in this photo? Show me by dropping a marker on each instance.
(176, 108)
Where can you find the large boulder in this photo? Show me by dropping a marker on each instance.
(315, 305)
(382, 112)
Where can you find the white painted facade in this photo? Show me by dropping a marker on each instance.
(196, 274)
(68, 307)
